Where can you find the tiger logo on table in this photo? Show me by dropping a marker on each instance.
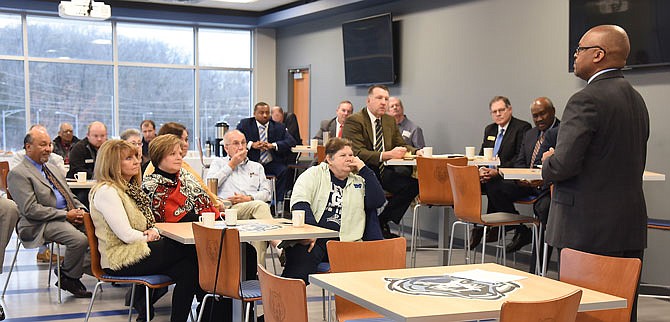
(450, 286)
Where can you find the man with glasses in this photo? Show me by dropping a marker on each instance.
(598, 203)
(243, 183)
(64, 141)
(505, 136)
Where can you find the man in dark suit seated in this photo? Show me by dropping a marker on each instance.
(48, 209)
(502, 193)
(598, 204)
(375, 138)
(335, 125)
(269, 143)
(504, 135)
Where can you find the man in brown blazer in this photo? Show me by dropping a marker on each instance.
(363, 129)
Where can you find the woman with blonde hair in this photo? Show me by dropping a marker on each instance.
(128, 242)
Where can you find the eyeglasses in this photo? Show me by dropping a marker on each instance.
(580, 49)
(237, 143)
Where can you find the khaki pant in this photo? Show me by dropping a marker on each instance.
(255, 209)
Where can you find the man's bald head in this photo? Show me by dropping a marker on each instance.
(97, 134)
(604, 46)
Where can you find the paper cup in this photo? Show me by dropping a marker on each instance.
(313, 143)
(326, 137)
(427, 151)
(298, 218)
(207, 219)
(80, 176)
(470, 151)
(488, 153)
(231, 217)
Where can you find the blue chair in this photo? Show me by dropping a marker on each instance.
(149, 281)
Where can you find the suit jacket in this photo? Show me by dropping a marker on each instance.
(522, 159)
(291, 122)
(36, 201)
(82, 158)
(511, 143)
(329, 126)
(358, 129)
(277, 133)
(598, 204)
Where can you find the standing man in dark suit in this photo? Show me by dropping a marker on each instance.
(598, 204)
(503, 193)
(269, 143)
(335, 125)
(504, 135)
(375, 138)
(48, 209)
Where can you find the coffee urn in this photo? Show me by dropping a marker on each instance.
(221, 129)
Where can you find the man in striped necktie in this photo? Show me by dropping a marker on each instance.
(269, 143)
(375, 139)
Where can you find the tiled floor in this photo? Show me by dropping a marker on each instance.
(29, 299)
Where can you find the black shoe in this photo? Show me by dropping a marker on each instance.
(260, 318)
(386, 231)
(476, 234)
(492, 235)
(2, 313)
(74, 286)
(519, 240)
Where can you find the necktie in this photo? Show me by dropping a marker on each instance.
(339, 134)
(52, 179)
(265, 155)
(499, 138)
(379, 142)
(536, 149)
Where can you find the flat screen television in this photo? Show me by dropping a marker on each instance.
(368, 51)
(647, 23)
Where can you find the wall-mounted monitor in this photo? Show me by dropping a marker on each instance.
(647, 23)
(368, 51)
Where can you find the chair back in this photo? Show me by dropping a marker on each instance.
(363, 256)
(433, 176)
(467, 193)
(218, 249)
(320, 153)
(4, 171)
(562, 309)
(284, 299)
(612, 275)
(96, 267)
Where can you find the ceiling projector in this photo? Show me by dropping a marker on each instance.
(84, 10)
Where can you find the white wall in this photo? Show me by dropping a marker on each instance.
(455, 56)
(264, 62)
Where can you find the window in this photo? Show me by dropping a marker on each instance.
(73, 74)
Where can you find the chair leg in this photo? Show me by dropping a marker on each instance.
(545, 260)
(11, 268)
(147, 303)
(60, 300)
(202, 306)
(323, 304)
(90, 305)
(484, 244)
(415, 221)
(132, 300)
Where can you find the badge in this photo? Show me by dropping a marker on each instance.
(406, 134)
(491, 138)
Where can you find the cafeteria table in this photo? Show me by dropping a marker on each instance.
(452, 293)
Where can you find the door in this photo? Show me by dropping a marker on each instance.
(299, 97)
